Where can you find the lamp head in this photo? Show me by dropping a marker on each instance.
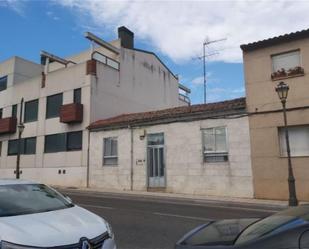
(21, 128)
(282, 90)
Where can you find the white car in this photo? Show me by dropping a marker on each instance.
(34, 216)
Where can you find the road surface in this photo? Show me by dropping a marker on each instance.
(143, 222)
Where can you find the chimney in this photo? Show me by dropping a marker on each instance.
(126, 36)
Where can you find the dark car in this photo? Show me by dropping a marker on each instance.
(288, 229)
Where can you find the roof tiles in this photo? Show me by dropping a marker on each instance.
(276, 40)
(170, 113)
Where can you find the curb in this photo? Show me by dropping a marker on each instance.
(192, 199)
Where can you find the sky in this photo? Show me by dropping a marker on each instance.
(174, 30)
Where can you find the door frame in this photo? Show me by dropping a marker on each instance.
(164, 161)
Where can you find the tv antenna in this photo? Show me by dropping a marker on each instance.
(205, 44)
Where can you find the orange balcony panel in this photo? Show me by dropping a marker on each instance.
(8, 125)
(71, 113)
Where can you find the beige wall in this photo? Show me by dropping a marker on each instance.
(260, 89)
(185, 170)
(269, 168)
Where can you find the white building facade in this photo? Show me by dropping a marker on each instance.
(63, 96)
(202, 150)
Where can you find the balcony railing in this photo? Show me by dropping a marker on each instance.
(184, 98)
(71, 113)
(8, 125)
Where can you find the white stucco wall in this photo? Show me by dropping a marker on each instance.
(185, 170)
(42, 166)
(142, 84)
(18, 69)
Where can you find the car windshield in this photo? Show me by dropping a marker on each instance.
(20, 199)
(275, 223)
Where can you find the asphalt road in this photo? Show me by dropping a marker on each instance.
(157, 223)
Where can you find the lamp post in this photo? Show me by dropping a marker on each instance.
(282, 90)
(21, 128)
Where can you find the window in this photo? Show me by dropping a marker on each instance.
(110, 151)
(1, 112)
(63, 142)
(14, 111)
(3, 83)
(53, 105)
(27, 145)
(55, 143)
(112, 63)
(215, 145)
(78, 95)
(74, 140)
(286, 61)
(31, 111)
(12, 147)
(299, 140)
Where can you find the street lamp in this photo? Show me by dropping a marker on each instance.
(282, 90)
(21, 128)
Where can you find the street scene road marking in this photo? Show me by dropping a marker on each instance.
(94, 206)
(182, 216)
(194, 202)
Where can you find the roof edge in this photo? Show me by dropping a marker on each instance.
(224, 115)
(195, 112)
(158, 58)
(298, 35)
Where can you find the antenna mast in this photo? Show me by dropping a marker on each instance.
(204, 61)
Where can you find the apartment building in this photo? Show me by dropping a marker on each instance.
(199, 149)
(62, 96)
(266, 63)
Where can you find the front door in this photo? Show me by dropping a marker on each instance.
(155, 160)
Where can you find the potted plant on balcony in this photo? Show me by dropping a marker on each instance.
(295, 71)
(279, 74)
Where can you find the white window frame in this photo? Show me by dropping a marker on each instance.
(215, 154)
(110, 156)
(283, 54)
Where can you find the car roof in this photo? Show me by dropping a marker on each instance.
(15, 181)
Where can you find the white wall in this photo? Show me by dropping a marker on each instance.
(18, 69)
(185, 170)
(142, 84)
(45, 166)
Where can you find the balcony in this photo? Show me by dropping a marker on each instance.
(284, 74)
(91, 67)
(71, 113)
(8, 125)
(184, 99)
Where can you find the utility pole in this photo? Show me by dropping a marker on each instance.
(204, 61)
(20, 131)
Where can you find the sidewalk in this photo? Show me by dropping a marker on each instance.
(231, 201)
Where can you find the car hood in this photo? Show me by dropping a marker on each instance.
(54, 228)
(215, 233)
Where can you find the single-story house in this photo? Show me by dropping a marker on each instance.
(199, 149)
